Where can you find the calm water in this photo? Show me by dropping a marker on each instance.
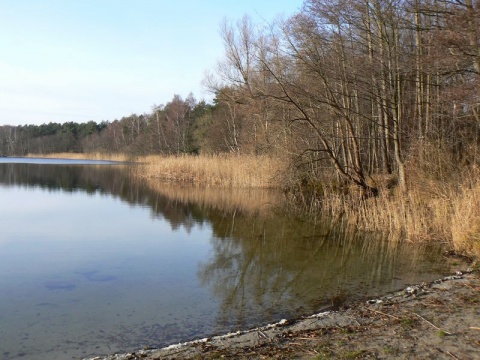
(93, 262)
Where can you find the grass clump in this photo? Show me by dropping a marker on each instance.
(355, 354)
(324, 351)
(391, 350)
(408, 322)
(442, 333)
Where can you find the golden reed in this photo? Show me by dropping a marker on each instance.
(84, 156)
(227, 171)
(438, 209)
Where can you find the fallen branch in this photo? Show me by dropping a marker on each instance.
(428, 322)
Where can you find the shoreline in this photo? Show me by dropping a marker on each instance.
(440, 319)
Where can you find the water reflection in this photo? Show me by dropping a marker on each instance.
(230, 260)
(180, 206)
(278, 267)
(89, 179)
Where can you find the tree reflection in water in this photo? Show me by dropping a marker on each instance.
(265, 264)
(267, 267)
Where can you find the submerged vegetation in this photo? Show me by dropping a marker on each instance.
(365, 110)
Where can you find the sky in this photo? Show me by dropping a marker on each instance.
(82, 60)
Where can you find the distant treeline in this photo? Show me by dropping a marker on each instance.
(350, 87)
(179, 127)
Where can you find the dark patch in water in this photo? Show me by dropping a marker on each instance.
(95, 276)
(59, 285)
(48, 305)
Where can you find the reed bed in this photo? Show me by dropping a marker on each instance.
(466, 221)
(84, 156)
(225, 171)
(432, 210)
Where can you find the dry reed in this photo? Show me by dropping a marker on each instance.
(435, 209)
(84, 156)
(227, 171)
(466, 221)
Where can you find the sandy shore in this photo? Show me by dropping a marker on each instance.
(439, 320)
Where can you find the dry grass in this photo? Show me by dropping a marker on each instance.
(466, 221)
(227, 171)
(86, 156)
(442, 209)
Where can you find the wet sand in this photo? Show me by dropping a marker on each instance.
(439, 320)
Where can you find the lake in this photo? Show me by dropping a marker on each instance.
(94, 261)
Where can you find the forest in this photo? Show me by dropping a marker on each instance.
(354, 88)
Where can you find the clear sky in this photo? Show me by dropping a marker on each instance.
(81, 60)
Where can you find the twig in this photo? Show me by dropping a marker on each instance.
(294, 343)
(260, 332)
(474, 328)
(382, 313)
(428, 322)
(355, 320)
(453, 356)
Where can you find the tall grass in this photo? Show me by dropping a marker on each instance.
(227, 171)
(465, 226)
(442, 205)
(84, 156)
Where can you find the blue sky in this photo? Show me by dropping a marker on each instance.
(81, 60)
